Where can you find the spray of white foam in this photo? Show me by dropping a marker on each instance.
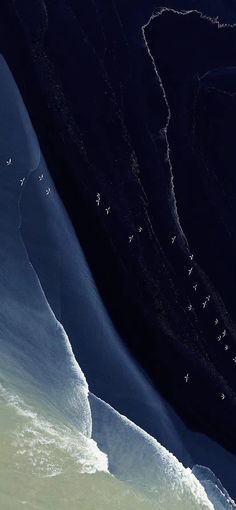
(136, 457)
(44, 445)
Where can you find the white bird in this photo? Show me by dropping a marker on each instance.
(224, 333)
(140, 229)
(41, 177)
(190, 271)
(204, 304)
(98, 199)
(195, 287)
(219, 338)
(131, 238)
(234, 359)
(222, 396)
(216, 322)
(48, 191)
(191, 257)
(9, 162)
(22, 181)
(107, 210)
(173, 239)
(190, 307)
(226, 347)
(208, 298)
(186, 377)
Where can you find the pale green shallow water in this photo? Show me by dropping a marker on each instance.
(47, 466)
(43, 466)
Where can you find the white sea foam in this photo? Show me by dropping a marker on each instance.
(137, 457)
(44, 444)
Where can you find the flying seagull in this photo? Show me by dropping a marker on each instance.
(98, 199)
